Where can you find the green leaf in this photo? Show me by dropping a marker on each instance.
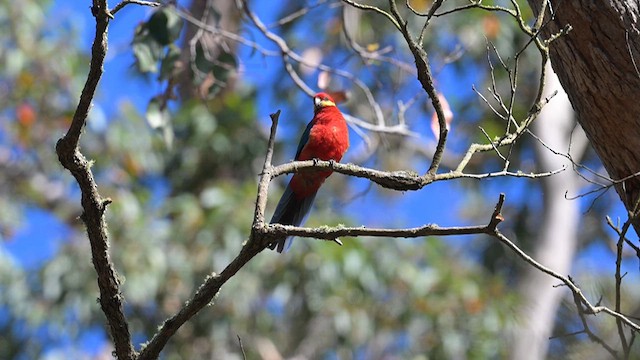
(146, 50)
(224, 66)
(169, 61)
(145, 57)
(202, 60)
(157, 117)
(164, 26)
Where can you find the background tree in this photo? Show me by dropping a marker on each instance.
(183, 194)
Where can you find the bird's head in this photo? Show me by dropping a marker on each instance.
(322, 100)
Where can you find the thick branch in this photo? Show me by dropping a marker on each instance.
(396, 180)
(595, 64)
(332, 233)
(93, 204)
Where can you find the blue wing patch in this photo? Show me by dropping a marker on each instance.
(290, 211)
(304, 139)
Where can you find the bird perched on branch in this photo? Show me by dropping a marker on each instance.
(325, 138)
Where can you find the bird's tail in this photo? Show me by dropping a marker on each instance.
(290, 211)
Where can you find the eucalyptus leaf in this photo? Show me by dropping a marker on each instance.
(164, 26)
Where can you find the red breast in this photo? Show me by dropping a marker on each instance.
(328, 140)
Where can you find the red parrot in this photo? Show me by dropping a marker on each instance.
(326, 138)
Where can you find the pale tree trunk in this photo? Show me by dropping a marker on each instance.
(595, 64)
(555, 244)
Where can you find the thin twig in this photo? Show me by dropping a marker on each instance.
(618, 279)
(124, 3)
(299, 13)
(635, 247)
(288, 54)
(587, 329)
(633, 58)
(266, 176)
(589, 308)
(244, 355)
(426, 80)
(374, 9)
(369, 56)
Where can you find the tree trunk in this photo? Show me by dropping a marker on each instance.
(595, 64)
(555, 245)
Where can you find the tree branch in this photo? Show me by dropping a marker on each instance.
(396, 180)
(587, 329)
(93, 204)
(208, 290)
(426, 80)
(589, 308)
(288, 54)
(374, 9)
(203, 296)
(124, 3)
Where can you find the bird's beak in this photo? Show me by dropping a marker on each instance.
(319, 103)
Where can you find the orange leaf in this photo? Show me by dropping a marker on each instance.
(491, 25)
(420, 5)
(25, 114)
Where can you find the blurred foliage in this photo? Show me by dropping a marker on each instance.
(184, 210)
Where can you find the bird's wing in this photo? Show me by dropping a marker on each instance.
(304, 139)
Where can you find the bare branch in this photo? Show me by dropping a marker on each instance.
(93, 205)
(374, 9)
(124, 3)
(633, 58)
(224, 33)
(635, 247)
(377, 55)
(208, 290)
(267, 174)
(587, 330)
(288, 54)
(426, 80)
(396, 180)
(333, 233)
(299, 13)
(203, 296)
(618, 278)
(589, 308)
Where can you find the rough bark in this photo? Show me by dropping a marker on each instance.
(555, 245)
(595, 64)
